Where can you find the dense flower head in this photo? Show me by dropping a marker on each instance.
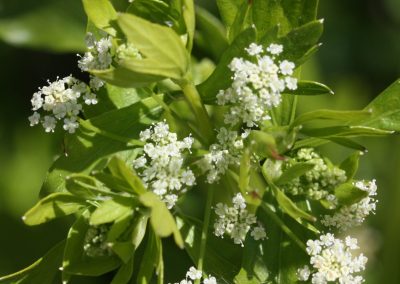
(317, 183)
(236, 221)
(161, 165)
(60, 100)
(95, 242)
(227, 151)
(333, 260)
(354, 215)
(98, 56)
(257, 85)
(195, 274)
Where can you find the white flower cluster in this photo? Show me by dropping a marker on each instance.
(95, 243)
(257, 86)
(332, 260)
(161, 165)
(99, 55)
(194, 274)
(62, 100)
(354, 215)
(236, 221)
(226, 152)
(317, 183)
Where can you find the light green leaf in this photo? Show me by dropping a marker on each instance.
(350, 165)
(228, 9)
(220, 79)
(162, 222)
(124, 250)
(345, 131)
(26, 27)
(188, 14)
(294, 171)
(150, 259)
(44, 270)
(101, 13)
(169, 59)
(85, 187)
(120, 170)
(242, 21)
(139, 230)
(326, 114)
(119, 226)
(76, 261)
(348, 194)
(385, 109)
(53, 206)
(111, 210)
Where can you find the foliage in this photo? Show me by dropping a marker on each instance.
(121, 225)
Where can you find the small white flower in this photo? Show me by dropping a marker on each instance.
(254, 49)
(303, 273)
(34, 119)
(70, 125)
(275, 49)
(90, 99)
(193, 273)
(258, 233)
(49, 123)
(210, 280)
(286, 67)
(95, 83)
(99, 55)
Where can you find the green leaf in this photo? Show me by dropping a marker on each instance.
(220, 79)
(350, 165)
(294, 171)
(190, 21)
(124, 273)
(222, 257)
(162, 222)
(124, 250)
(150, 260)
(119, 226)
(310, 88)
(228, 9)
(348, 194)
(385, 109)
(120, 170)
(210, 29)
(88, 147)
(85, 187)
(263, 144)
(299, 42)
(44, 270)
(139, 230)
(111, 210)
(345, 131)
(241, 22)
(26, 27)
(326, 114)
(169, 60)
(53, 206)
(76, 261)
(287, 14)
(101, 13)
(284, 113)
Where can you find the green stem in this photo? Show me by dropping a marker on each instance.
(206, 223)
(89, 126)
(202, 117)
(282, 225)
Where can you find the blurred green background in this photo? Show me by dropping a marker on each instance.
(39, 40)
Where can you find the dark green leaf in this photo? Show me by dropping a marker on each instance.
(53, 206)
(124, 273)
(210, 29)
(220, 79)
(228, 9)
(350, 165)
(310, 88)
(76, 261)
(124, 250)
(241, 22)
(120, 225)
(42, 271)
(348, 194)
(87, 148)
(150, 259)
